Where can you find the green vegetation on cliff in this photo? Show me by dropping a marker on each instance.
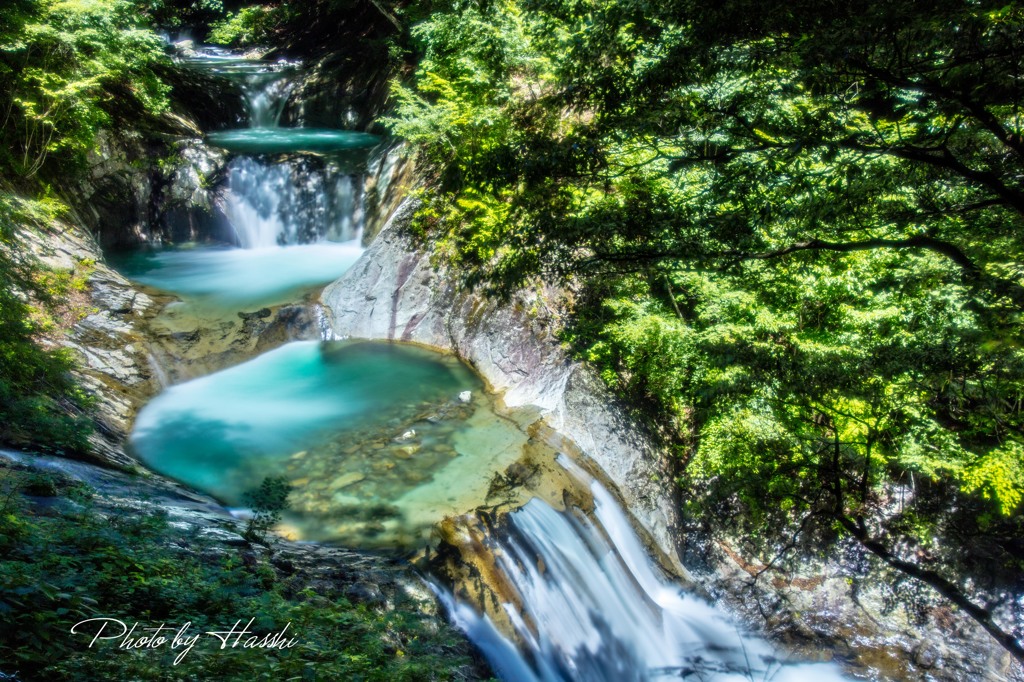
(794, 232)
(68, 70)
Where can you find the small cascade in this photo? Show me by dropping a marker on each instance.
(323, 323)
(266, 94)
(297, 199)
(593, 606)
(349, 192)
(301, 202)
(158, 372)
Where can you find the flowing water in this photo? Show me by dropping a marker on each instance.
(298, 220)
(280, 204)
(383, 441)
(591, 605)
(265, 86)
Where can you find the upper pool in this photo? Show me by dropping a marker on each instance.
(239, 279)
(283, 140)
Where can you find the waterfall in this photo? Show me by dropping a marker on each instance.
(296, 202)
(593, 606)
(266, 93)
(279, 201)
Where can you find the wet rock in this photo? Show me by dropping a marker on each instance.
(224, 537)
(365, 593)
(346, 480)
(926, 656)
(260, 314)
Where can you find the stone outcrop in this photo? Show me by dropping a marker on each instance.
(114, 363)
(147, 191)
(378, 582)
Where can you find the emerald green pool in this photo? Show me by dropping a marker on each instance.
(373, 436)
(285, 140)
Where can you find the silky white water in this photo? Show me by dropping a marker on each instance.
(241, 279)
(278, 204)
(594, 607)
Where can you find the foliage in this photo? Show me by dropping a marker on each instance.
(250, 25)
(77, 560)
(69, 68)
(40, 404)
(266, 504)
(174, 14)
(794, 236)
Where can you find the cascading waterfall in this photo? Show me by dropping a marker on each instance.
(291, 200)
(591, 604)
(287, 202)
(297, 216)
(272, 204)
(594, 607)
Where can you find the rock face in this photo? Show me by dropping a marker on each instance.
(126, 199)
(840, 608)
(390, 176)
(114, 362)
(394, 292)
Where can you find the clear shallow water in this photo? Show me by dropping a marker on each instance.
(237, 279)
(373, 436)
(594, 607)
(285, 140)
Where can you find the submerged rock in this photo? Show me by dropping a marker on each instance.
(345, 480)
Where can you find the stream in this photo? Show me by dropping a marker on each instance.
(382, 442)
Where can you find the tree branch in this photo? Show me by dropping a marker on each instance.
(940, 584)
(972, 273)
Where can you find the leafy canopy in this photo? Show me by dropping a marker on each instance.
(794, 233)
